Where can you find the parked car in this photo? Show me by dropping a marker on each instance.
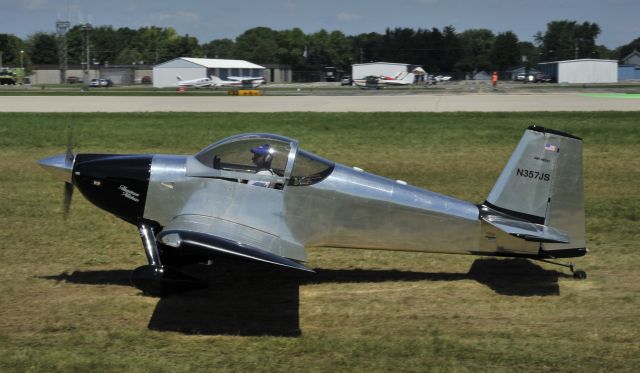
(101, 83)
(146, 80)
(525, 77)
(443, 78)
(346, 80)
(73, 80)
(542, 78)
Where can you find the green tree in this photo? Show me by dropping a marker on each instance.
(567, 40)
(128, 56)
(451, 49)
(257, 45)
(505, 52)
(529, 53)
(291, 47)
(623, 51)
(329, 49)
(10, 46)
(105, 45)
(155, 44)
(185, 46)
(366, 47)
(43, 48)
(476, 49)
(398, 45)
(220, 48)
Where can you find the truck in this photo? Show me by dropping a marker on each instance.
(7, 76)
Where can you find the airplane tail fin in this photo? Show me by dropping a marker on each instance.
(409, 78)
(542, 183)
(215, 80)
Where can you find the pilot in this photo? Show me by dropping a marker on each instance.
(262, 157)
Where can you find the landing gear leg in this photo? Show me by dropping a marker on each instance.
(577, 273)
(155, 279)
(149, 242)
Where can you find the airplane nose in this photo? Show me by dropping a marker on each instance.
(59, 166)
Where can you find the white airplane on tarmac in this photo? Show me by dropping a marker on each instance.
(214, 81)
(401, 79)
(196, 83)
(238, 81)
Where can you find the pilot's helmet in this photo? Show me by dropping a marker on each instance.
(265, 150)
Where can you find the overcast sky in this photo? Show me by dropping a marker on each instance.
(209, 20)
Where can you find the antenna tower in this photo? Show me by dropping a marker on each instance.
(61, 28)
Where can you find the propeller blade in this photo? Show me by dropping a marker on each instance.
(68, 187)
(68, 193)
(69, 153)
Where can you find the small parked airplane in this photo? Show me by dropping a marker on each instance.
(196, 83)
(263, 198)
(214, 81)
(238, 81)
(401, 79)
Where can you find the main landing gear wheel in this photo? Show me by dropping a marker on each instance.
(156, 279)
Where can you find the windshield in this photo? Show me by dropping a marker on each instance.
(309, 169)
(248, 155)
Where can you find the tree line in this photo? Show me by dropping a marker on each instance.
(438, 51)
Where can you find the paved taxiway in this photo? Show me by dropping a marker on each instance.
(370, 103)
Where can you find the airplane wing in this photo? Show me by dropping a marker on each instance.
(527, 230)
(196, 233)
(245, 78)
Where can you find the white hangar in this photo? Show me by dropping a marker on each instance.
(582, 71)
(164, 74)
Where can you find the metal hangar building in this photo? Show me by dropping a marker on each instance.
(165, 74)
(582, 71)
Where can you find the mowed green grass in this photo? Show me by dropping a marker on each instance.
(365, 310)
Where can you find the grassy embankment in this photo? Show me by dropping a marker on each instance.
(65, 303)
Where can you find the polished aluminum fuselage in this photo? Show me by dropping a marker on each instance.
(349, 208)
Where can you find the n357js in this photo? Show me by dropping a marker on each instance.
(263, 198)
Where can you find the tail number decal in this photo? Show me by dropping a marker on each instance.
(532, 174)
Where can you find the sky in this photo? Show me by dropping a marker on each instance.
(210, 20)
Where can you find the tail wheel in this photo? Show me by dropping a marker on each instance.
(580, 274)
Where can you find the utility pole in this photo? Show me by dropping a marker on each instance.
(86, 29)
(62, 27)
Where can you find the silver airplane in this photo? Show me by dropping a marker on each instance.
(263, 198)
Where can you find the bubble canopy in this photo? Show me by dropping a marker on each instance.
(285, 158)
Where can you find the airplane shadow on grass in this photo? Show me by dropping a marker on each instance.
(246, 298)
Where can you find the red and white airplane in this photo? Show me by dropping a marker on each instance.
(238, 81)
(196, 83)
(214, 81)
(401, 79)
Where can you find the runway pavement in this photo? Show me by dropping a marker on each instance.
(488, 102)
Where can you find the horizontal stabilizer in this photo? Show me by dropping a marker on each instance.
(527, 230)
(206, 242)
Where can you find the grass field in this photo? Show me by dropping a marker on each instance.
(66, 303)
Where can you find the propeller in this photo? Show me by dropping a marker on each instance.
(68, 186)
